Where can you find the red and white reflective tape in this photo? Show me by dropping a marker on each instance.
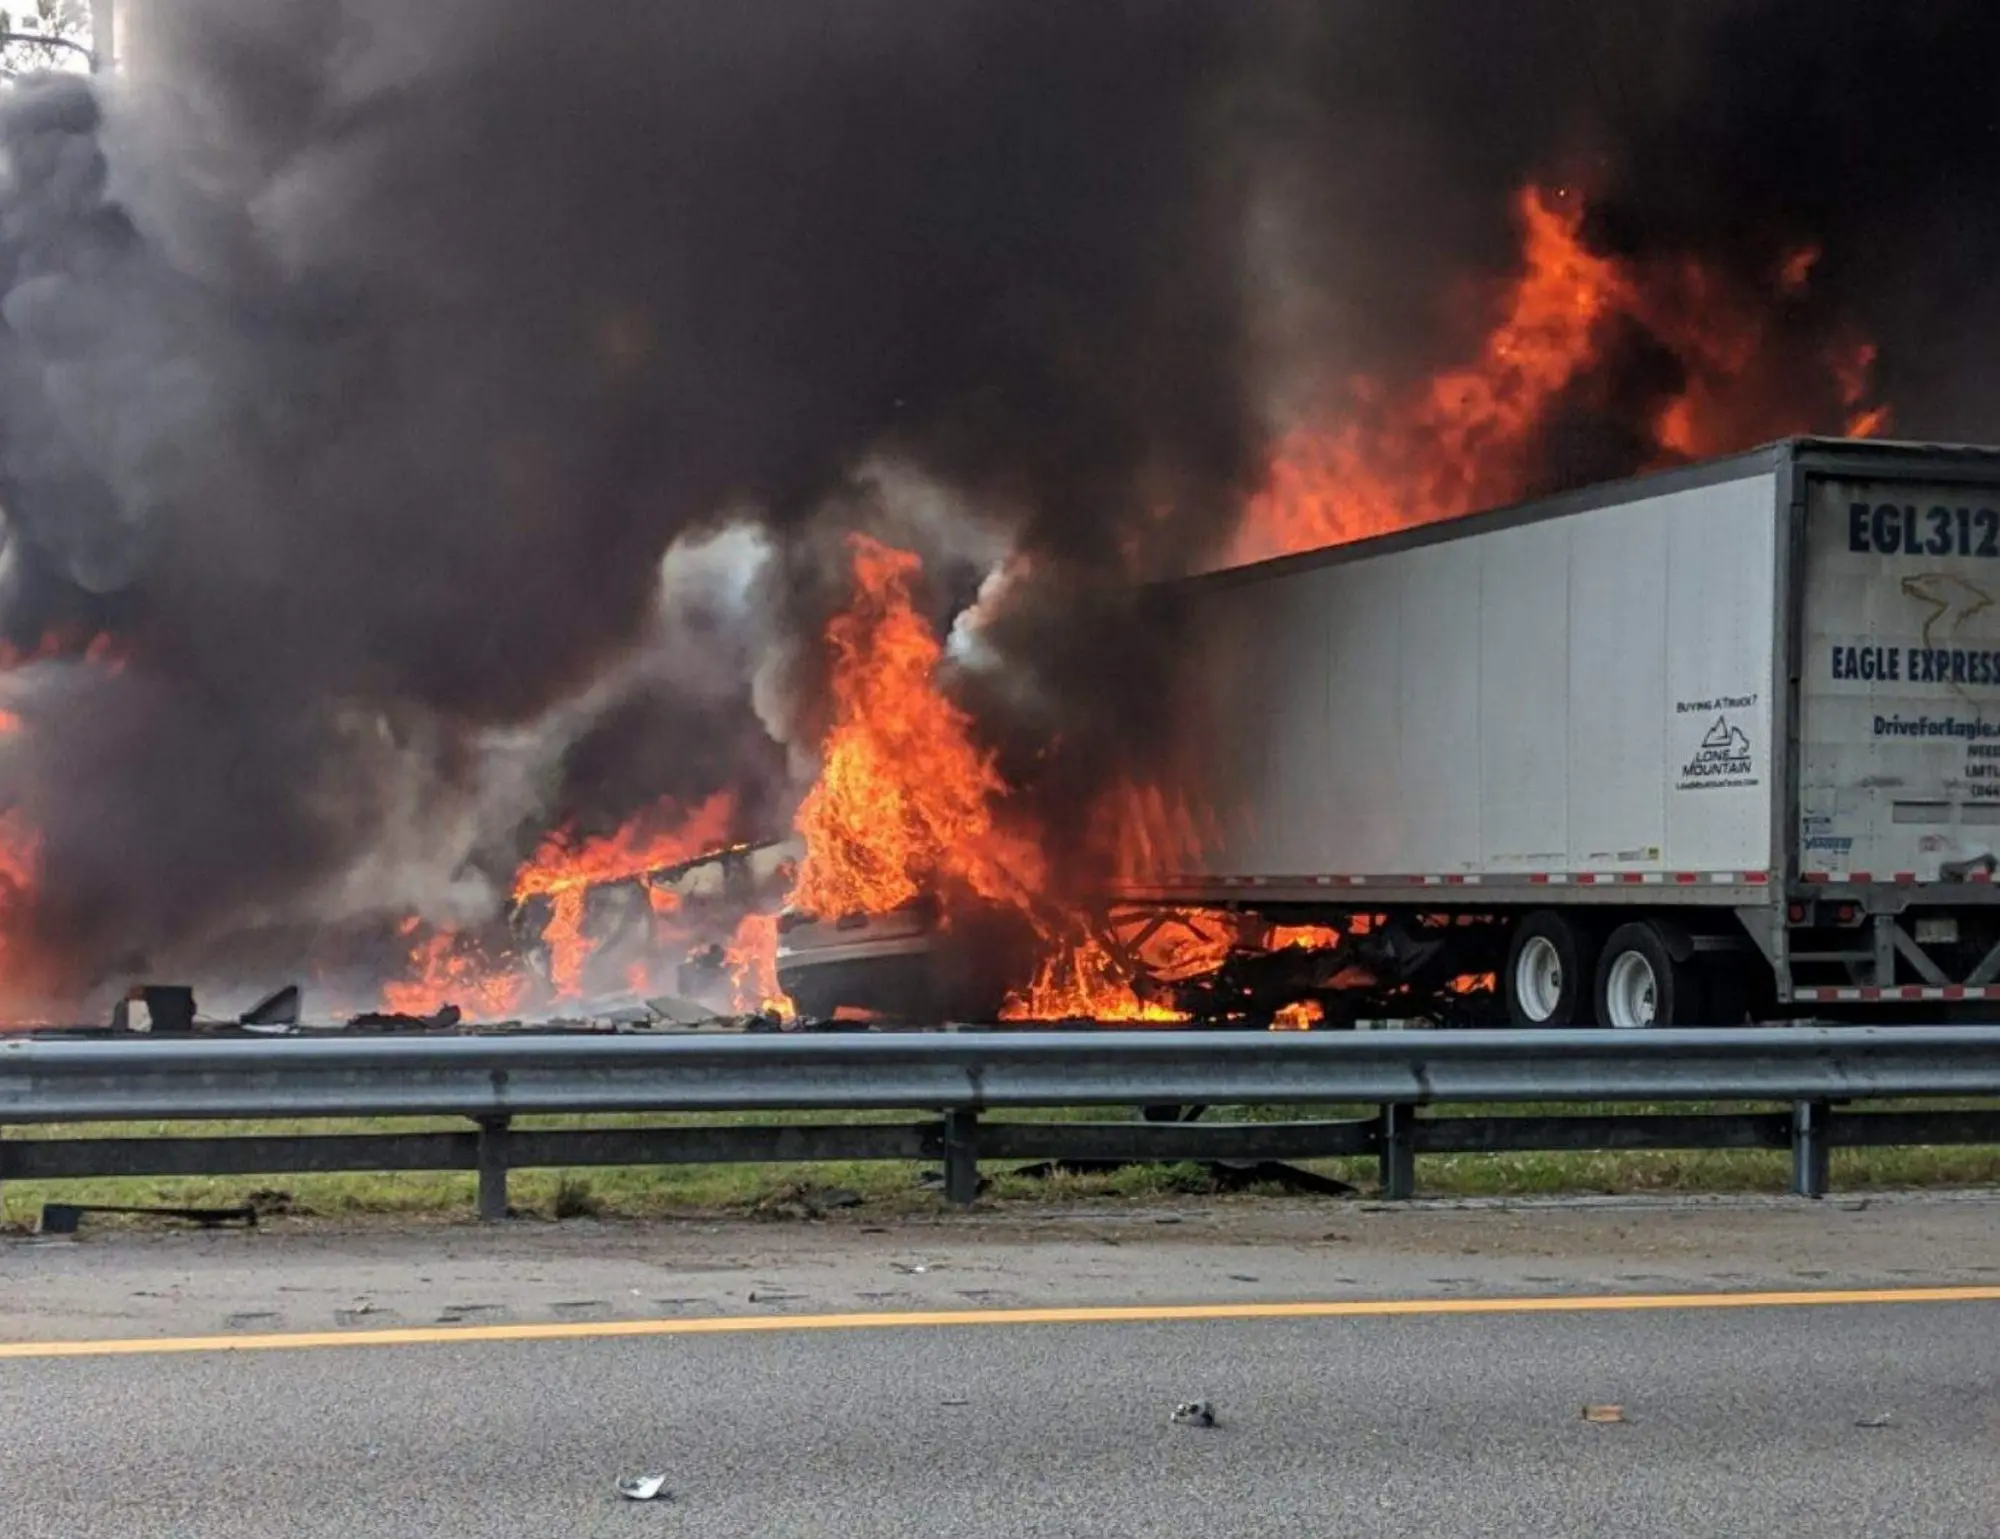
(1912, 992)
(1474, 879)
(1894, 878)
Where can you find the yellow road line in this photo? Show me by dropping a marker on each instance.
(726, 1325)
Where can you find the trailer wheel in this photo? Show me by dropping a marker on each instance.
(1548, 972)
(1639, 984)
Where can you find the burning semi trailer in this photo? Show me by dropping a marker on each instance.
(1665, 752)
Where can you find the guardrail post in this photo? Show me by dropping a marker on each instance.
(961, 1156)
(1399, 1151)
(493, 1167)
(1812, 1147)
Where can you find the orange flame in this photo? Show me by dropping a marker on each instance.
(1303, 937)
(1458, 443)
(1080, 980)
(564, 870)
(1301, 1015)
(752, 959)
(906, 800)
(908, 804)
(1463, 440)
(446, 968)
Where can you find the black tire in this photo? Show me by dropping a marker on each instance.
(1575, 1001)
(1674, 987)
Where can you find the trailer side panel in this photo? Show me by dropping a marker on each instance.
(1590, 693)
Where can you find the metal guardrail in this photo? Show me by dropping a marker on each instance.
(960, 1076)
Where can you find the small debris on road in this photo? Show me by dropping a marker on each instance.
(1880, 1419)
(644, 1488)
(1603, 1413)
(1193, 1413)
(911, 1269)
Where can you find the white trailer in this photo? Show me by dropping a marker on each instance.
(1721, 738)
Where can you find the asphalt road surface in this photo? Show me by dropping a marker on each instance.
(1864, 1419)
(1449, 1408)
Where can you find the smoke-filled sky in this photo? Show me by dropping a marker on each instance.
(362, 360)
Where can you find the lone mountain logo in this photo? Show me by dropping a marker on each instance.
(1722, 759)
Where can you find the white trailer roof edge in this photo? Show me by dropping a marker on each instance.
(1880, 457)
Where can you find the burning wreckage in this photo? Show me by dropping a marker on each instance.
(964, 563)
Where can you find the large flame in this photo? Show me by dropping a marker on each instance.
(1466, 438)
(906, 802)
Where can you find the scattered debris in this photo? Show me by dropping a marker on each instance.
(1879, 1419)
(1235, 1175)
(443, 1019)
(954, 1402)
(1193, 1413)
(279, 1009)
(1226, 1175)
(644, 1488)
(670, 1009)
(67, 1217)
(1048, 1170)
(911, 1269)
(803, 1200)
(1603, 1413)
(272, 1202)
(149, 1007)
(1241, 1277)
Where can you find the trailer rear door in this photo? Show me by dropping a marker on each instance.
(1899, 763)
